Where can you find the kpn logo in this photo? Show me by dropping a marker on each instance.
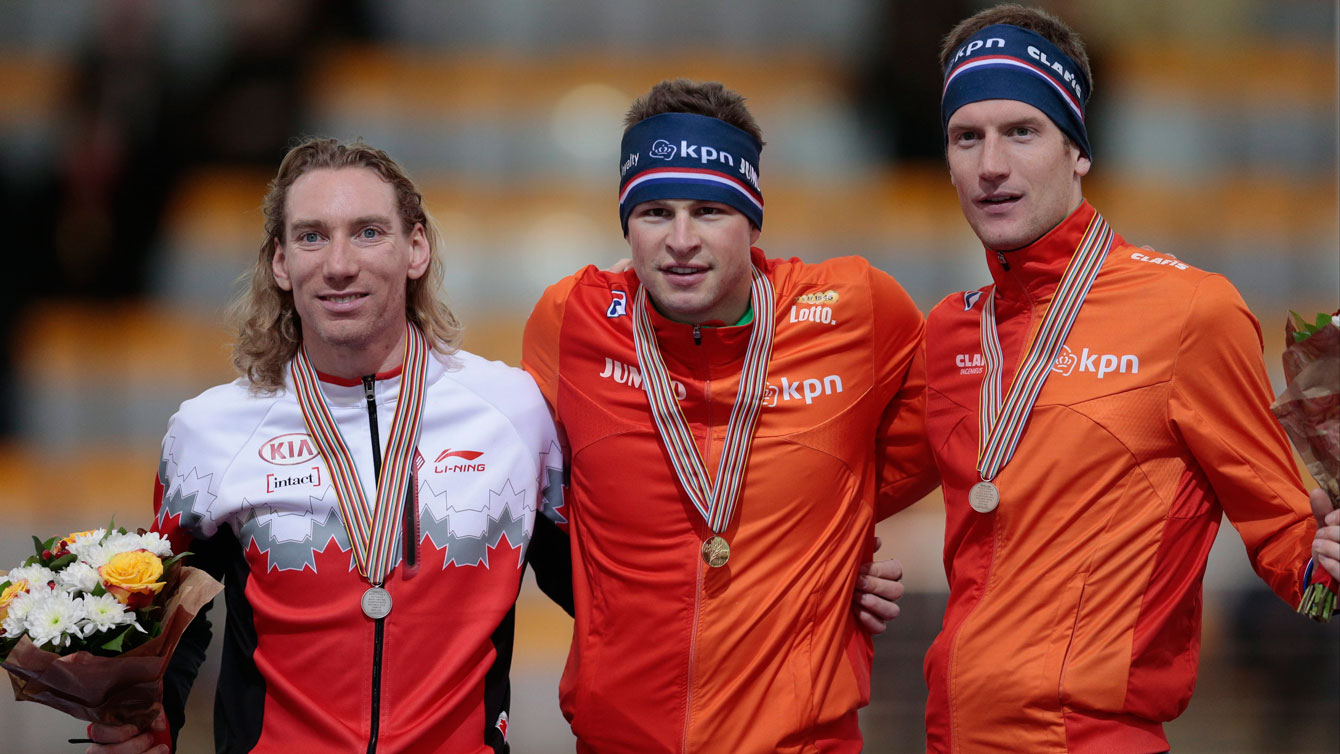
(1101, 364)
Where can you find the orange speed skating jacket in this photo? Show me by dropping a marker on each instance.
(1073, 622)
(763, 654)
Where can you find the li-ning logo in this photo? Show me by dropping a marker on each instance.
(618, 304)
(444, 464)
(632, 376)
(662, 150)
(1101, 363)
(969, 363)
(970, 298)
(807, 389)
(287, 450)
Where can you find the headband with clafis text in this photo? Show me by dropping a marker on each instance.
(1007, 62)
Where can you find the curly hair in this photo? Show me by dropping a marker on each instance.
(269, 329)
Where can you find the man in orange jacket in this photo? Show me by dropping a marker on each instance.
(736, 425)
(1093, 412)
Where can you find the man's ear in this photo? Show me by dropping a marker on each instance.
(419, 253)
(1082, 165)
(754, 233)
(278, 266)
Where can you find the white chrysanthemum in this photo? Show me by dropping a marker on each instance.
(155, 543)
(96, 556)
(78, 576)
(54, 618)
(118, 542)
(105, 613)
(14, 623)
(36, 575)
(84, 541)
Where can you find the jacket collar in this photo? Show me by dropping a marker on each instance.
(718, 345)
(1030, 274)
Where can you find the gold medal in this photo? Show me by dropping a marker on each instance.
(376, 603)
(716, 551)
(984, 497)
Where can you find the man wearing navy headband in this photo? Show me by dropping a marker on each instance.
(1092, 412)
(736, 424)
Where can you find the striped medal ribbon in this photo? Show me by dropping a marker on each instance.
(1001, 427)
(715, 502)
(373, 534)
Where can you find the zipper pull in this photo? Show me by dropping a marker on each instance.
(1000, 257)
(697, 335)
(369, 390)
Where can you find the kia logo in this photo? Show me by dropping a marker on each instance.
(288, 450)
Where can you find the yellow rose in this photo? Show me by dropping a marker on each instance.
(7, 596)
(133, 577)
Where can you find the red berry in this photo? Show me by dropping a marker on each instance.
(46, 555)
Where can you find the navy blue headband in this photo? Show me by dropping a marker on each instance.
(684, 156)
(1008, 62)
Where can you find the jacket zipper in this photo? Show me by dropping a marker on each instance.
(698, 588)
(379, 624)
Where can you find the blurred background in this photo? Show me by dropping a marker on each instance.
(137, 136)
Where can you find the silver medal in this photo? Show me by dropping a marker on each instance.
(376, 603)
(984, 497)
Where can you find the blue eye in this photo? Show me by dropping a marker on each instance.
(309, 237)
(370, 233)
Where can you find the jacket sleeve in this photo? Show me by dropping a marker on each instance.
(1220, 406)
(550, 554)
(905, 468)
(190, 651)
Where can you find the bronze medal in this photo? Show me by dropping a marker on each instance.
(716, 551)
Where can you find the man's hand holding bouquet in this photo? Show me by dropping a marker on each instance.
(90, 621)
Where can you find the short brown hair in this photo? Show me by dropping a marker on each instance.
(685, 96)
(269, 330)
(1038, 21)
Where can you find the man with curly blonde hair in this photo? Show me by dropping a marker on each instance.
(366, 490)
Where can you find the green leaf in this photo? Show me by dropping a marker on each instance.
(4, 585)
(37, 545)
(62, 561)
(1323, 319)
(174, 560)
(99, 590)
(32, 560)
(114, 644)
(47, 544)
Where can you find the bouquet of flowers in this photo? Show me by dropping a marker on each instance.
(1309, 409)
(90, 621)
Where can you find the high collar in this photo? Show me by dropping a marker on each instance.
(1030, 274)
(716, 346)
(343, 392)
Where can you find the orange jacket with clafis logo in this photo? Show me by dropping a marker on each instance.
(763, 654)
(1073, 622)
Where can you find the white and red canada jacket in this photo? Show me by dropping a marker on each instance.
(244, 488)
